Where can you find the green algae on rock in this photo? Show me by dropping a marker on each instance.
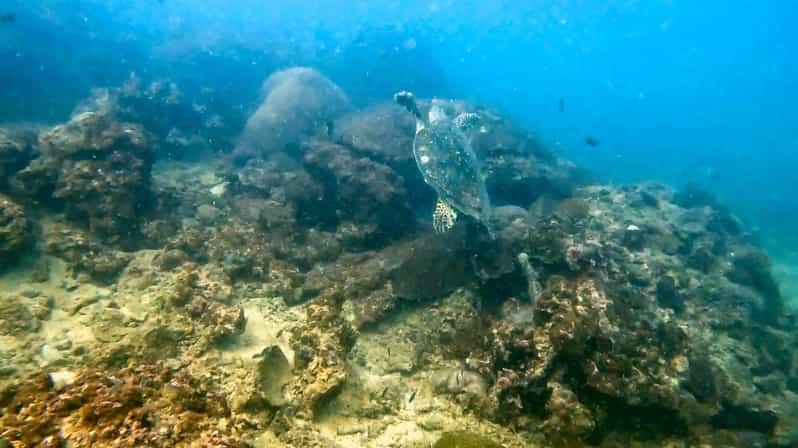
(465, 439)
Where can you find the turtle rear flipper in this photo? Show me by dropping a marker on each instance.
(443, 217)
(408, 100)
(466, 120)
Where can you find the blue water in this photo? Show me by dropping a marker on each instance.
(678, 91)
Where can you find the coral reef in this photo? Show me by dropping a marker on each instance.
(360, 190)
(383, 132)
(94, 168)
(16, 150)
(298, 103)
(298, 298)
(621, 331)
(144, 406)
(320, 346)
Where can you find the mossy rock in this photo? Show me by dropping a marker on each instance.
(465, 439)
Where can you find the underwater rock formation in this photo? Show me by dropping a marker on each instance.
(96, 169)
(412, 271)
(298, 300)
(16, 150)
(15, 231)
(299, 103)
(360, 190)
(609, 338)
(83, 254)
(383, 132)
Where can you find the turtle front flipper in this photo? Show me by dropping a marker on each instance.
(408, 100)
(466, 120)
(443, 217)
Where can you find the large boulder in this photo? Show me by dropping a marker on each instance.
(299, 103)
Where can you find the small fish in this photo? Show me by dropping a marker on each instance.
(8, 18)
(591, 141)
(561, 106)
(412, 397)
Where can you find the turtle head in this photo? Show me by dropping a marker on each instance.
(408, 101)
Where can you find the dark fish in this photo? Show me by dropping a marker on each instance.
(412, 397)
(562, 105)
(8, 18)
(592, 141)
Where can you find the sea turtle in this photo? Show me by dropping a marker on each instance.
(448, 164)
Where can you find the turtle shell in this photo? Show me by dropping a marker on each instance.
(448, 164)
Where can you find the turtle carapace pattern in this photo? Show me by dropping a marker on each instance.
(448, 164)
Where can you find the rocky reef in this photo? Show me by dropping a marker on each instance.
(291, 292)
(15, 231)
(95, 169)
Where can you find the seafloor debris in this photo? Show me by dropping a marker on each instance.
(301, 300)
